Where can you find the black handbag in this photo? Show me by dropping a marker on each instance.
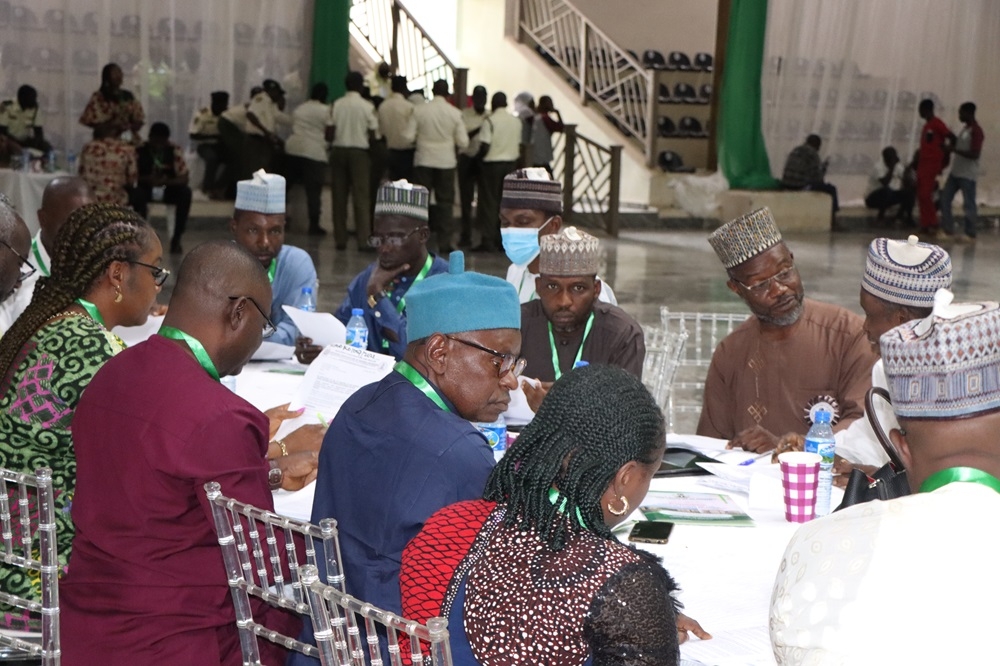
(889, 481)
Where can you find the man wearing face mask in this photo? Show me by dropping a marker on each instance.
(531, 207)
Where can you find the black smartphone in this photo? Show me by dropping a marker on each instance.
(651, 531)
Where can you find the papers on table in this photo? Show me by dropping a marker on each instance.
(331, 379)
(322, 327)
(273, 351)
(133, 335)
(693, 508)
(749, 646)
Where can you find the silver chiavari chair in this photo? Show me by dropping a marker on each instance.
(663, 354)
(255, 560)
(334, 613)
(29, 543)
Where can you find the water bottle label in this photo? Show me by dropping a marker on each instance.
(496, 436)
(826, 451)
(357, 338)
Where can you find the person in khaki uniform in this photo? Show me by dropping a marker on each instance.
(352, 129)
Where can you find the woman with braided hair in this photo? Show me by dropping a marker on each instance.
(105, 272)
(532, 574)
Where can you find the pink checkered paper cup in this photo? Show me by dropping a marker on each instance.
(799, 478)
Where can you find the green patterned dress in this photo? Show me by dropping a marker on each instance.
(53, 368)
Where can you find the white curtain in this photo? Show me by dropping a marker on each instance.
(173, 54)
(853, 72)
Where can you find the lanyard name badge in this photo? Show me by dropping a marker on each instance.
(402, 301)
(422, 384)
(579, 352)
(204, 360)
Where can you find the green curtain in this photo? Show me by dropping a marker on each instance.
(330, 44)
(742, 153)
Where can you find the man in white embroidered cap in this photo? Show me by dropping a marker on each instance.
(792, 356)
(829, 601)
(258, 224)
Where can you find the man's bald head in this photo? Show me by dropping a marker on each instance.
(16, 241)
(220, 287)
(62, 196)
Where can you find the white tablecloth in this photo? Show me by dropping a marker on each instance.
(25, 191)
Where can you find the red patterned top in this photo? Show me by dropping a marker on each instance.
(109, 166)
(123, 110)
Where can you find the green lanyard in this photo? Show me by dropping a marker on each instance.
(579, 352)
(420, 276)
(422, 384)
(402, 301)
(204, 360)
(554, 495)
(271, 269)
(959, 474)
(92, 310)
(38, 257)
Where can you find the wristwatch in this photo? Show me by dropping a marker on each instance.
(275, 476)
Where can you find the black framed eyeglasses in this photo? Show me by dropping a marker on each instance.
(785, 277)
(160, 274)
(269, 327)
(508, 362)
(25, 269)
(391, 241)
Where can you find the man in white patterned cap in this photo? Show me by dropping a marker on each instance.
(258, 224)
(568, 323)
(829, 601)
(794, 355)
(400, 239)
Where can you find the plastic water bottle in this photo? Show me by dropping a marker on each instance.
(820, 440)
(496, 435)
(71, 162)
(229, 381)
(357, 330)
(307, 300)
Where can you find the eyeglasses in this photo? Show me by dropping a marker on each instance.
(269, 327)
(395, 240)
(508, 362)
(25, 269)
(160, 274)
(785, 277)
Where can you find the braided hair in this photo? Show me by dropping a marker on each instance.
(593, 421)
(92, 237)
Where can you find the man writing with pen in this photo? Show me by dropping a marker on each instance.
(400, 239)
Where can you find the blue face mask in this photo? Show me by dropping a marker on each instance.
(520, 243)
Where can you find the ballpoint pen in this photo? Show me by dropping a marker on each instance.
(750, 461)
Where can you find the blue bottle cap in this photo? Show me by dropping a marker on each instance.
(357, 311)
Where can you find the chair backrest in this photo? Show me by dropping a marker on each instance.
(705, 331)
(27, 513)
(255, 562)
(334, 613)
(663, 352)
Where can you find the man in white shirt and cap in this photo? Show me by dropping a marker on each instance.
(872, 583)
(352, 129)
(394, 116)
(531, 207)
(258, 224)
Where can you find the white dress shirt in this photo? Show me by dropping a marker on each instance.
(473, 121)
(267, 113)
(857, 442)
(18, 302)
(354, 117)
(503, 132)
(394, 116)
(308, 139)
(438, 129)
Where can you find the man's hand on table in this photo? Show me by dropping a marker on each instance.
(534, 395)
(686, 626)
(755, 440)
(298, 469)
(305, 351)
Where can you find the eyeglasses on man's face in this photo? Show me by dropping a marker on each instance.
(269, 327)
(785, 277)
(160, 274)
(25, 269)
(508, 362)
(391, 240)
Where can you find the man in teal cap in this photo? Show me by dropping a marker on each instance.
(404, 447)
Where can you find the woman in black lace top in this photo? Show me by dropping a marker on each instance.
(532, 574)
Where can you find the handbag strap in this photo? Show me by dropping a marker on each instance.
(877, 428)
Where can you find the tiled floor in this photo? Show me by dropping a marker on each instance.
(674, 268)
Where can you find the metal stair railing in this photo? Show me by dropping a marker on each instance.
(603, 73)
(388, 32)
(591, 177)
